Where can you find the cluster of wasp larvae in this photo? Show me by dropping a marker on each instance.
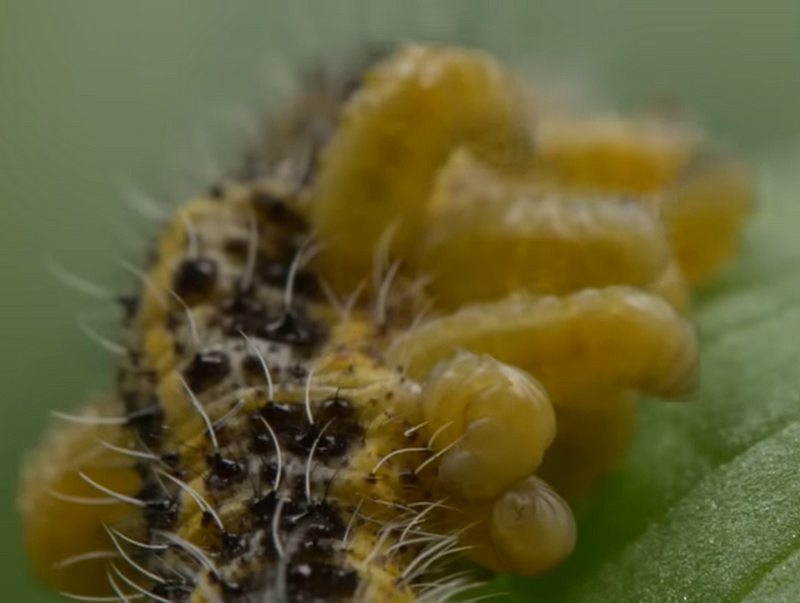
(410, 331)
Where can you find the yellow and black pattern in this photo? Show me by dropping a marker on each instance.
(411, 330)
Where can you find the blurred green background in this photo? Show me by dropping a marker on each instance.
(100, 95)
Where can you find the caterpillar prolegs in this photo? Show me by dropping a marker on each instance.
(410, 331)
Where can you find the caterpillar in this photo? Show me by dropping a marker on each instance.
(409, 331)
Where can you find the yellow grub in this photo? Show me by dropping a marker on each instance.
(611, 153)
(532, 527)
(395, 133)
(493, 421)
(579, 347)
(713, 198)
(488, 237)
(706, 197)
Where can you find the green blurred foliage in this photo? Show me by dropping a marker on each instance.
(99, 95)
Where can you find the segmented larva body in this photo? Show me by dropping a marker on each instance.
(270, 442)
(706, 193)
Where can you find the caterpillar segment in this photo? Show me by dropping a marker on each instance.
(411, 331)
(63, 514)
(240, 472)
(276, 338)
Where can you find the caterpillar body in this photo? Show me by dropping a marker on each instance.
(410, 331)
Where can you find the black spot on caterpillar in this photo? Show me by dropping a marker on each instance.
(297, 418)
